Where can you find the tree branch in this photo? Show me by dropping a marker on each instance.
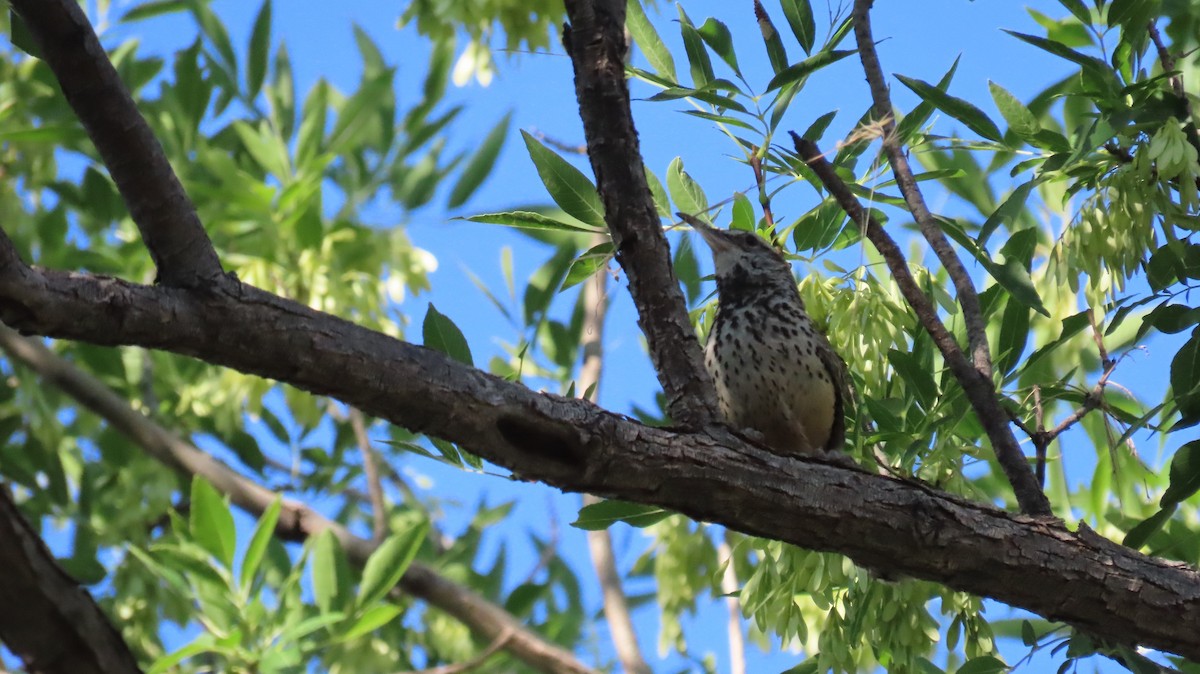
(595, 40)
(900, 527)
(296, 521)
(51, 623)
(967, 297)
(164, 214)
(979, 390)
(379, 516)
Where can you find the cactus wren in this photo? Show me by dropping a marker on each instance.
(775, 372)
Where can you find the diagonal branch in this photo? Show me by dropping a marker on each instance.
(979, 390)
(899, 527)
(296, 521)
(51, 623)
(164, 214)
(595, 40)
(967, 297)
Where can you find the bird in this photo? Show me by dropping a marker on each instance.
(776, 375)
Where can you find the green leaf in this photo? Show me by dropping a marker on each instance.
(685, 192)
(215, 31)
(1097, 70)
(480, 165)
(1007, 212)
(1020, 120)
(330, 572)
(264, 531)
(372, 619)
(917, 379)
(604, 514)
(311, 138)
(920, 114)
(354, 117)
(648, 40)
(268, 150)
(587, 264)
(1185, 474)
(440, 333)
(983, 664)
(717, 35)
(817, 128)
(147, 10)
(1141, 533)
(529, 220)
(260, 46)
(1028, 635)
(799, 16)
(743, 213)
(282, 93)
(800, 72)
(775, 51)
(388, 563)
(567, 185)
(698, 61)
(662, 203)
(211, 523)
(959, 109)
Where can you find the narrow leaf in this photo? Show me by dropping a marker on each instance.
(567, 185)
(801, 71)
(264, 533)
(959, 109)
(648, 41)
(1019, 118)
(388, 563)
(799, 16)
(480, 165)
(606, 513)
(211, 523)
(529, 220)
(685, 191)
(260, 46)
(775, 51)
(717, 36)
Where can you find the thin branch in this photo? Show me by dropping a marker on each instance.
(764, 198)
(730, 586)
(472, 664)
(296, 521)
(901, 527)
(595, 41)
(171, 230)
(51, 623)
(1167, 60)
(616, 606)
(967, 297)
(379, 509)
(980, 391)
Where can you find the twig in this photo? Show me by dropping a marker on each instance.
(595, 41)
(967, 297)
(730, 586)
(379, 515)
(296, 521)
(600, 545)
(979, 389)
(1168, 65)
(764, 198)
(1039, 420)
(472, 664)
(171, 230)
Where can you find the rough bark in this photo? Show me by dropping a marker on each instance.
(899, 527)
(51, 623)
(595, 39)
(165, 216)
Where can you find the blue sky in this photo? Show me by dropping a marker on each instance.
(918, 39)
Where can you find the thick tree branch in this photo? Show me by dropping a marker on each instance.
(51, 623)
(164, 214)
(967, 297)
(296, 521)
(900, 527)
(980, 391)
(595, 40)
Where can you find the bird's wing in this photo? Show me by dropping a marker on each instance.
(836, 367)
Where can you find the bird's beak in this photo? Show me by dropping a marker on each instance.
(711, 235)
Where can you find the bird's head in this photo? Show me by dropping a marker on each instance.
(742, 257)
